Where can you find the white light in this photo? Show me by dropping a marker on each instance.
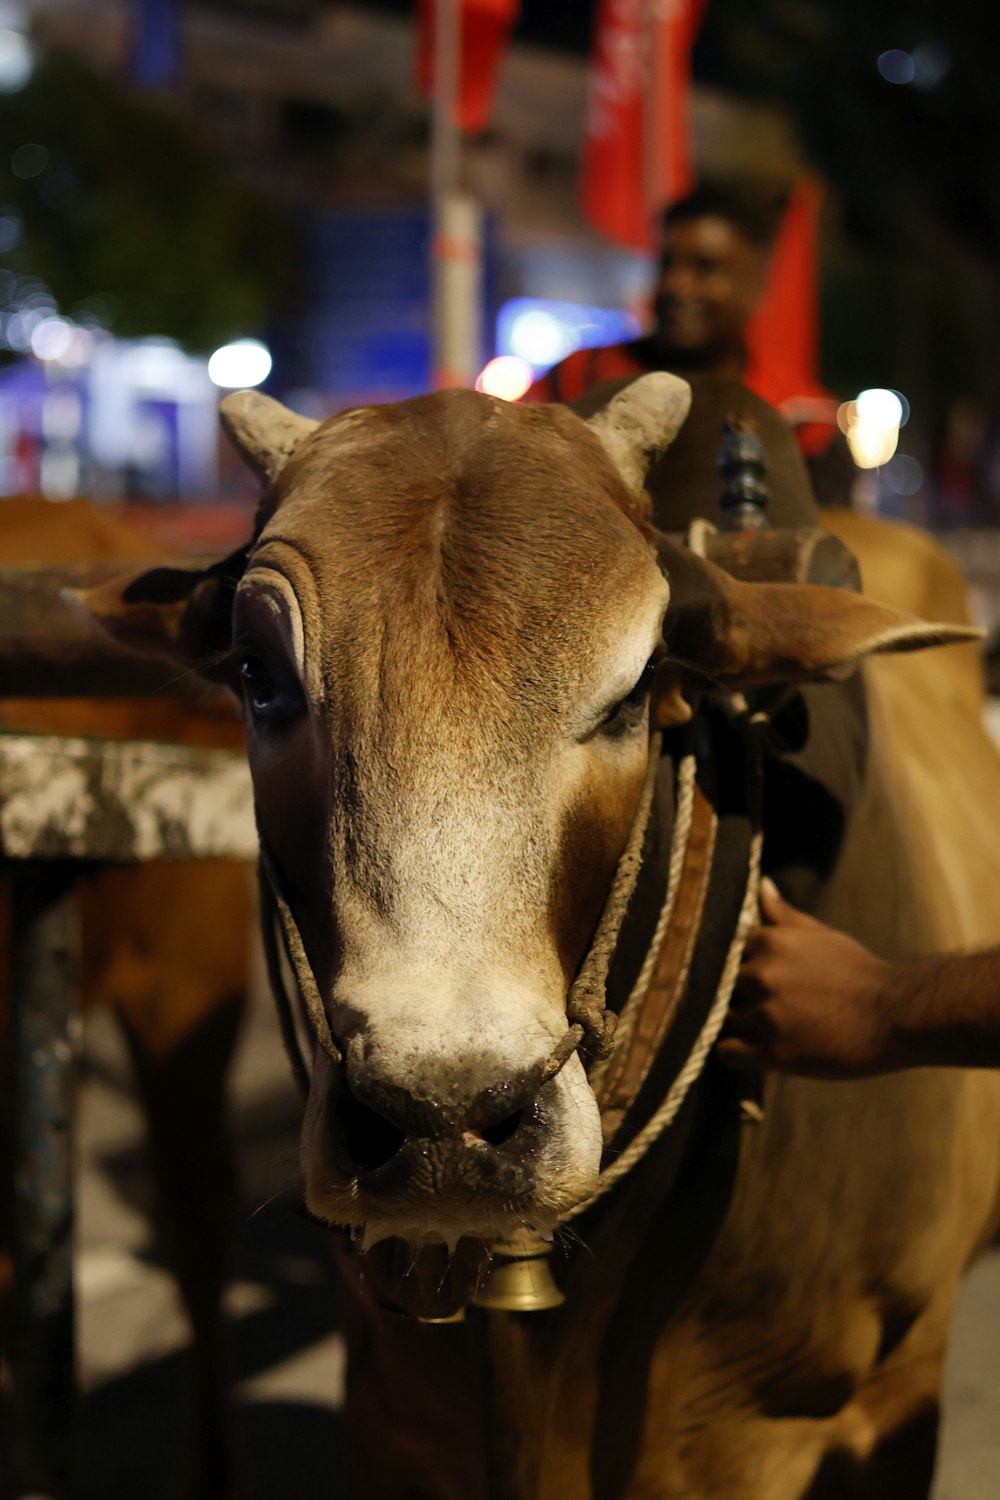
(239, 365)
(62, 416)
(872, 446)
(871, 425)
(537, 337)
(507, 376)
(52, 338)
(879, 409)
(16, 61)
(153, 366)
(81, 346)
(59, 474)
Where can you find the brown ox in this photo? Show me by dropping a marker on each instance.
(450, 628)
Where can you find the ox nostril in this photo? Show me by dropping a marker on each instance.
(370, 1138)
(503, 1130)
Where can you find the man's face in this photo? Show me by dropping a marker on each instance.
(710, 281)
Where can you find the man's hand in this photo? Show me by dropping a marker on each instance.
(809, 1000)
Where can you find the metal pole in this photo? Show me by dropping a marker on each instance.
(456, 218)
(658, 19)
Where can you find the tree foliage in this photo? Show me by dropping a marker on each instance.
(130, 215)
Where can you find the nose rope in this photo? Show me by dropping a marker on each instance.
(592, 1025)
(664, 1117)
(683, 820)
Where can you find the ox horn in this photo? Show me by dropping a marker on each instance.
(640, 423)
(263, 431)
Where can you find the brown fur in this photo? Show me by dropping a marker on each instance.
(773, 1328)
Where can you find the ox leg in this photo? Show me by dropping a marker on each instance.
(195, 1177)
(901, 1466)
(167, 945)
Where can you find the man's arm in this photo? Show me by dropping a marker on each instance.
(813, 1001)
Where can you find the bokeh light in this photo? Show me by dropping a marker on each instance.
(16, 61)
(896, 66)
(903, 475)
(29, 161)
(508, 376)
(879, 408)
(871, 424)
(537, 337)
(240, 365)
(51, 339)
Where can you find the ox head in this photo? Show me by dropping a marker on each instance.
(449, 635)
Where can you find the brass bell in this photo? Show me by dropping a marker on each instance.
(520, 1278)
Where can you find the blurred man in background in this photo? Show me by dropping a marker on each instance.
(713, 269)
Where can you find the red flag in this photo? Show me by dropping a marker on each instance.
(784, 331)
(486, 26)
(783, 334)
(637, 139)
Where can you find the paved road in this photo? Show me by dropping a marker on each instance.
(290, 1357)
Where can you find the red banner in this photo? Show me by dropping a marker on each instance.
(485, 28)
(783, 334)
(637, 139)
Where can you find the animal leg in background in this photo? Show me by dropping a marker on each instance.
(180, 999)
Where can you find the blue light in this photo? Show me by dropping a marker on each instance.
(543, 331)
(896, 66)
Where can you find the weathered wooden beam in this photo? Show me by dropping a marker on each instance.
(68, 798)
(51, 648)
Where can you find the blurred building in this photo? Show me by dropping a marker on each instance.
(316, 105)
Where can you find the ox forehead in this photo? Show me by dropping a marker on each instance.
(466, 548)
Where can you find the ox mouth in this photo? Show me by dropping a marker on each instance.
(482, 1178)
(441, 1187)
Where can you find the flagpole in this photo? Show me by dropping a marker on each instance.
(455, 218)
(657, 145)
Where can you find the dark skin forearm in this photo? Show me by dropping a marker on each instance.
(813, 1001)
(946, 1010)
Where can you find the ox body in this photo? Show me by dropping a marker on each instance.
(455, 634)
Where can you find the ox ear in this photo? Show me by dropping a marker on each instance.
(264, 432)
(640, 422)
(744, 635)
(183, 614)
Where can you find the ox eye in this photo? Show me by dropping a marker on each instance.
(628, 711)
(273, 703)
